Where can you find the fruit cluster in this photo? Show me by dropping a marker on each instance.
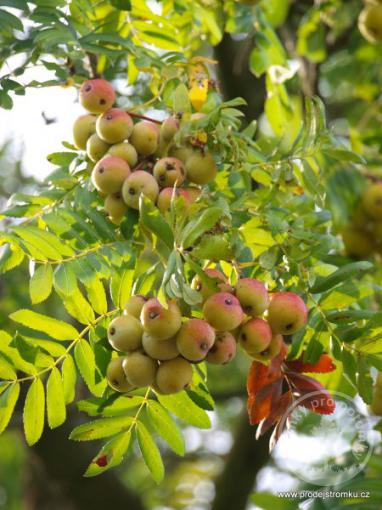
(363, 236)
(160, 347)
(370, 21)
(134, 158)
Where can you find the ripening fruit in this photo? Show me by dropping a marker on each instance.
(139, 182)
(125, 151)
(173, 376)
(270, 352)
(109, 174)
(96, 148)
(125, 333)
(161, 350)
(97, 96)
(135, 304)
(114, 126)
(204, 290)
(168, 129)
(83, 128)
(115, 207)
(224, 349)
(115, 376)
(165, 197)
(140, 369)
(169, 171)
(201, 168)
(358, 243)
(370, 23)
(372, 200)
(223, 311)
(253, 296)
(145, 138)
(162, 323)
(182, 153)
(287, 313)
(255, 335)
(194, 339)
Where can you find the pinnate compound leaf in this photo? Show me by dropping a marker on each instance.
(8, 399)
(40, 285)
(150, 452)
(110, 455)
(55, 399)
(34, 412)
(54, 328)
(184, 408)
(104, 427)
(165, 426)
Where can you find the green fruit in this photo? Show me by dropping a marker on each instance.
(145, 138)
(161, 350)
(165, 198)
(173, 376)
(125, 333)
(253, 296)
(370, 23)
(83, 129)
(109, 174)
(135, 304)
(97, 96)
(287, 313)
(169, 171)
(115, 207)
(372, 200)
(223, 311)
(96, 148)
(116, 377)
(201, 168)
(168, 129)
(194, 339)
(204, 289)
(140, 370)
(125, 151)
(358, 243)
(160, 322)
(182, 153)
(139, 183)
(255, 336)
(114, 126)
(224, 349)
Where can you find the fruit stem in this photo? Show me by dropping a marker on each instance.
(143, 117)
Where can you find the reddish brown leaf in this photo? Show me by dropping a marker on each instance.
(280, 405)
(263, 402)
(324, 364)
(315, 396)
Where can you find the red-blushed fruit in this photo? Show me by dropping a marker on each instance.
(168, 129)
(114, 126)
(160, 322)
(109, 174)
(169, 171)
(224, 349)
(125, 333)
(203, 288)
(96, 148)
(173, 376)
(115, 376)
(223, 311)
(372, 198)
(140, 369)
(287, 313)
(162, 350)
(165, 198)
(135, 304)
(201, 168)
(194, 339)
(145, 138)
(83, 128)
(139, 183)
(270, 352)
(97, 96)
(253, 296)
(255, 335)
(125, 151)
(115, 207)
(358, 243)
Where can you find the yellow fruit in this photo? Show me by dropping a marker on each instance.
(114, 126)
(173, 376)
(270, 352)
(206, 291)
(224, 349)
(223, 311)
(194, 339)
(370, 23)
(372, 200)
(255, 336)
(135, 304)
(83, 129)
(145, 138)
(139, 183)
(140, 370)
(201, 168)
(161, 350)
(253, 296)
(109, 174)
(125, 333)
(160, 322)
(116, 377)
(182, 153)
(125, 151)
(287, 313)
(97, 96)
(169, 171)
(168, 129)
(358, 243)
(96, 148)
